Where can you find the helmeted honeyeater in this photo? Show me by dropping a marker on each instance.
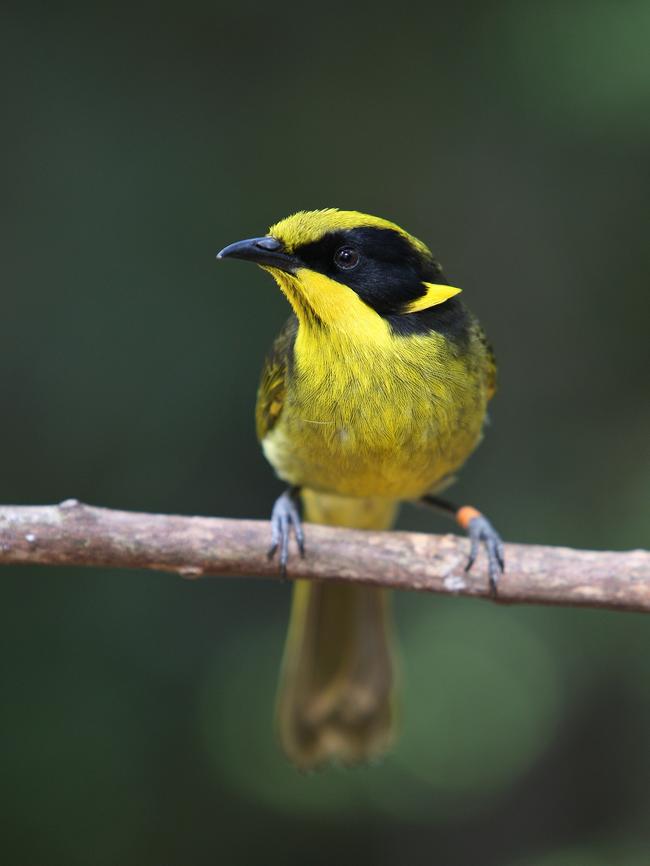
(375, 392)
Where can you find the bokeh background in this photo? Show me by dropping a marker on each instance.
(139, 139)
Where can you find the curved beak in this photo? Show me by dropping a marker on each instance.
(266, 251)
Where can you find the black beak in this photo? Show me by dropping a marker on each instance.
(263, 251)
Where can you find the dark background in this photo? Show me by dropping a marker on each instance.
(513, 138)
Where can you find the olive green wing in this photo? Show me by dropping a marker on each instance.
(272, 390)
(491, 371)
(490, 362)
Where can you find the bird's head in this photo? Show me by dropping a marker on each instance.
(346, 270)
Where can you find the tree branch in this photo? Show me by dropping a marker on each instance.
(76, 534)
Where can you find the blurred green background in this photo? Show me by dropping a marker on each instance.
(513, 137)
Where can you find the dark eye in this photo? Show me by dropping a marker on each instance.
(346, 258)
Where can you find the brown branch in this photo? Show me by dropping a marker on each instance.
(76, 534)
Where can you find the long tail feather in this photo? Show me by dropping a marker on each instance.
(336, 696)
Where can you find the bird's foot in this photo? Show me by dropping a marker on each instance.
(285, 517)
(481, 531)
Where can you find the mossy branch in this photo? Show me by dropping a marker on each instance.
(74, 534)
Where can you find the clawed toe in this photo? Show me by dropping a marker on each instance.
(480, 532)
(284, 518)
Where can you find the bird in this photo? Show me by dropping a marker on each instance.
(374, 394)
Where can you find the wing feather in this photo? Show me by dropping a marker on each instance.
(272, 390)
(490, 362)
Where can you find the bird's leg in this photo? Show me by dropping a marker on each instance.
(480, 531)
(285, 515)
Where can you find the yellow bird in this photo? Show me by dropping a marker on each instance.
(375, 392)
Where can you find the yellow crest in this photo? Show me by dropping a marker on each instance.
(307, 226)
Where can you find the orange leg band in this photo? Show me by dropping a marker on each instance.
(466, 514)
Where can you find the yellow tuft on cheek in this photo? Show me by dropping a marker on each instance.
(436, 294)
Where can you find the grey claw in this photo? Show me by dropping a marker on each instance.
(473, 552)
(284, 550)
(284, 517)
(501, 555)
(481, 531)
(300, 537)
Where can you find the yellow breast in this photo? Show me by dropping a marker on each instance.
(388, 417)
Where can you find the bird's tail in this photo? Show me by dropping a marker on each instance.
(336, 694)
